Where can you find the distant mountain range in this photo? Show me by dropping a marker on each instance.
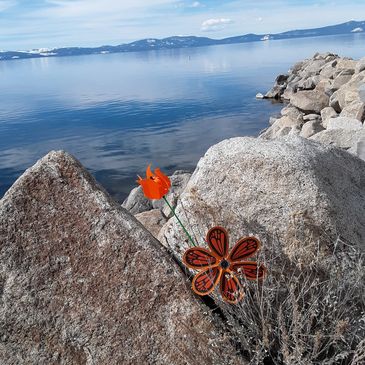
(184, 42)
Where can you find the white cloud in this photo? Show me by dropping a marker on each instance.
(215, 24)
(93, 22)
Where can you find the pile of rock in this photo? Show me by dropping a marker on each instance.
(326, 96)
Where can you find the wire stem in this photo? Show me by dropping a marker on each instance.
(178, 219)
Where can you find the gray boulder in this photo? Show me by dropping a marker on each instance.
(292, 112)
(328, 70)
(310, 101)
(290, 188)
(136, 202)
(327, 56)
(279, 87)
(312, 68)
(82, 282)
(352, 140)
(356, 110)
(325, 86)
(346, 64)
(296, 68)
(275, 92)
(342, 78)
(348, 93)
(344, 123)
(282, 127)
(309, 83)
(153, 220)
(310, 128)
(326, 114)
(360, 65)
(309, 117)
(291, 87)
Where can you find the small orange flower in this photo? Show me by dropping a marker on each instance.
(156, 185)
(218, 265)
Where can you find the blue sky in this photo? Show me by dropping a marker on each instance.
(27, 24)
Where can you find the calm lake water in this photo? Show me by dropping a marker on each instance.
(117, 113)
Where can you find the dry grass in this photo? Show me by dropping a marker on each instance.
(301, 314)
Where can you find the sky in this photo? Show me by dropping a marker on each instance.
(30, 24)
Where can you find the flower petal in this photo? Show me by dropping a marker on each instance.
(249, 269)
(151, 190)
(230, 288)
(149, 172)
(205, 281)
(199, 258)
(244, 248)
(154, 187)
(217, 238)
(165, 181)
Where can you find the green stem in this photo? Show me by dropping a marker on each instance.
(173, 211)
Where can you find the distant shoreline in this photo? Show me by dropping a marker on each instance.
(179, 42)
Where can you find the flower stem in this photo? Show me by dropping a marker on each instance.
(173, 211)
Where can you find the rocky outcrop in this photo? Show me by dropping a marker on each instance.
(289, 188)
(329, 87)
(82, 282)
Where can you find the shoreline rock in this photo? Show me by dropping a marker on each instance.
(256, 185)
(323, 93)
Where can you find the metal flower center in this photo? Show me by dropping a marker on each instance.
(224, 264)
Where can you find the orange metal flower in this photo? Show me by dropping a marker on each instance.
(154, 186)
(218, 265)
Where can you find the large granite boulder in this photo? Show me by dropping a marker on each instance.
(310, 128)
(360, 66)
(310, 100)
(356, 109)
(82, 282)
(289, 188)
(283, 126)
(344, 123)
(348, 92)
(328, 70)
(352, 140)
(305, 202)
(327, 114)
